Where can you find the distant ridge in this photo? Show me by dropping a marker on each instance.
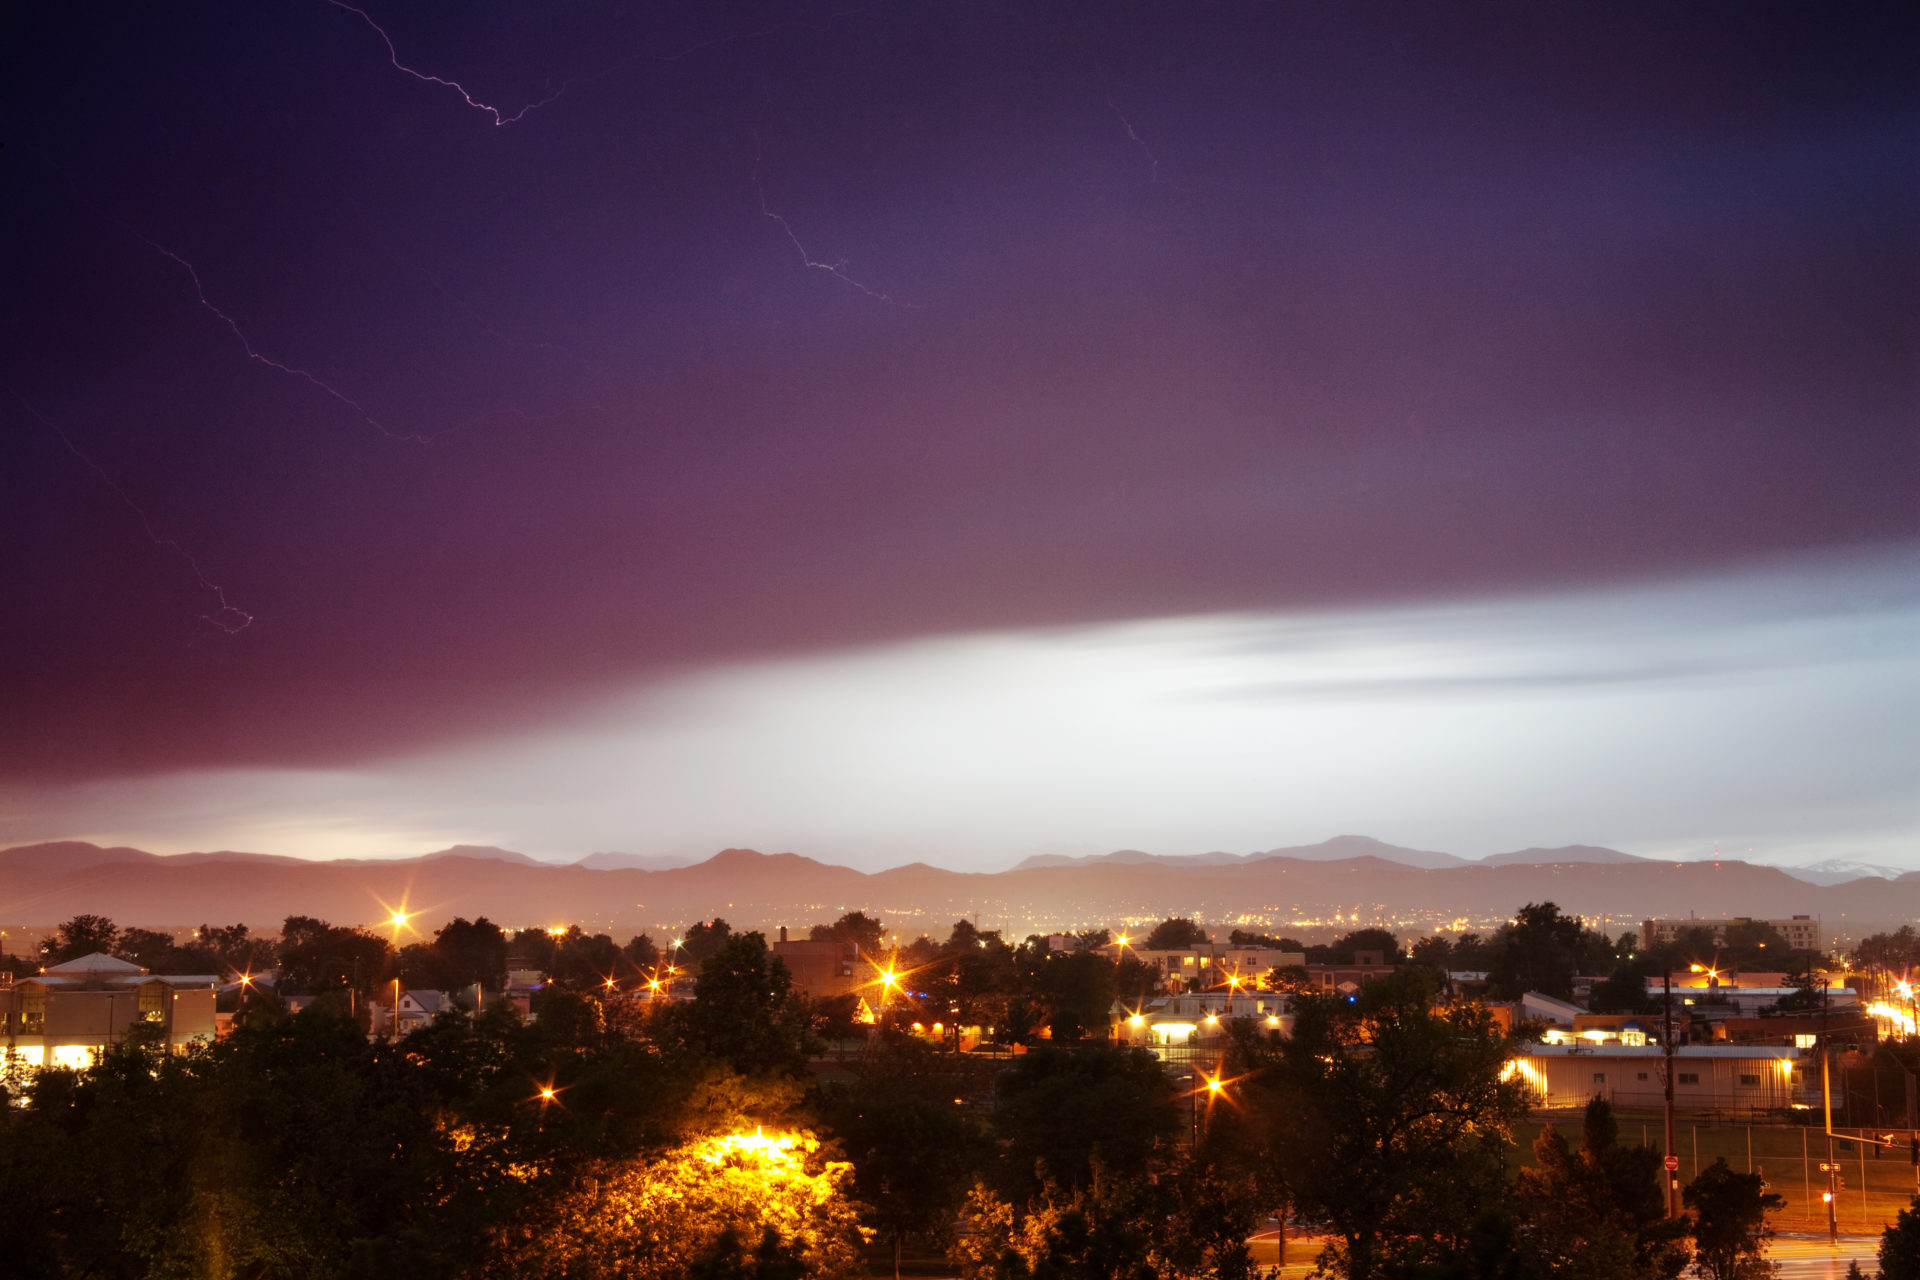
(485, 851)
(632, 862)
(1840, 871)
(1338, 883)
(1334, 850)
(1568, 853)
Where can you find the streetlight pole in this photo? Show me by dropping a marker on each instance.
(1666, 1045)
(1832, 1166)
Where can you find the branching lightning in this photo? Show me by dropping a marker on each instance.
(227, 617)
(393, 55)
(256, 355)
(835, 269)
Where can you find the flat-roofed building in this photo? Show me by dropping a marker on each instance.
(1705, 1077)
(67, 1014)
(826, 968)
(1208, 964)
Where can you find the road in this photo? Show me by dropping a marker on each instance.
(1800, 1255)
(1810, 1257)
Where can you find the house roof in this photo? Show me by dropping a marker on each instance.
(95, 965)
(1694, 1051)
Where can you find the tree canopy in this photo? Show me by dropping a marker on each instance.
(1383, 1121)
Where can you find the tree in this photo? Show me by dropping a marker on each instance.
(422, 968)
(1900, 1245)
(745, 1011)
(1176, 1220)
(1537, 951)
(475, 952)
(1176, 933)
(1246, 938)
(641, 953)
(1753, 944)
(316, 956)
(704, 940)
(1341, 950)
(236, 948)
(1596, 1213)
(902, 1123)
(584, 961)
(1730, 1230)
(1383, 1120)
(856, 927)
(81, 936)
(689, 1210)
(1066, 1109)
(1625, 990)
(1077, 988)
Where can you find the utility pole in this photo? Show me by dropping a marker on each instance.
(1673, 1158)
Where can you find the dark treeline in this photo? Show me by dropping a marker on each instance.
(622, 1133)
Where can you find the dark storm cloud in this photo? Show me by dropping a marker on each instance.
(1225, 308)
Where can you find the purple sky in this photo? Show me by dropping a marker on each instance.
(786, 335)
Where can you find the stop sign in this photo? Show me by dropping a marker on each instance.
(1673, 1164)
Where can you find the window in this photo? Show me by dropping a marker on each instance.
(1689, 1077)
(33, 1014)
(1643, 1075)
(1749, 1080)
(1599, 1077)
(151, 1009)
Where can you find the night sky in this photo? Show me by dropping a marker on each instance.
(961, 430)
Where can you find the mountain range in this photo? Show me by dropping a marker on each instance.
(1310, 890)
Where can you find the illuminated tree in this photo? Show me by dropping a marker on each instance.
(1176, 1220)
(695, 1207)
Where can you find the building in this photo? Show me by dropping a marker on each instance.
(1740, 995)
(1178, 1027)
(1745, 1078)
(825, 969)
(1802, 933)
(1345, 979)
(1208, 964)
(418, 1008)
(67, 1014)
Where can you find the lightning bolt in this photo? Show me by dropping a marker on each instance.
(255, 354)
(1153, 161)
(227, 616)
(835, 269)
(393, 56)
